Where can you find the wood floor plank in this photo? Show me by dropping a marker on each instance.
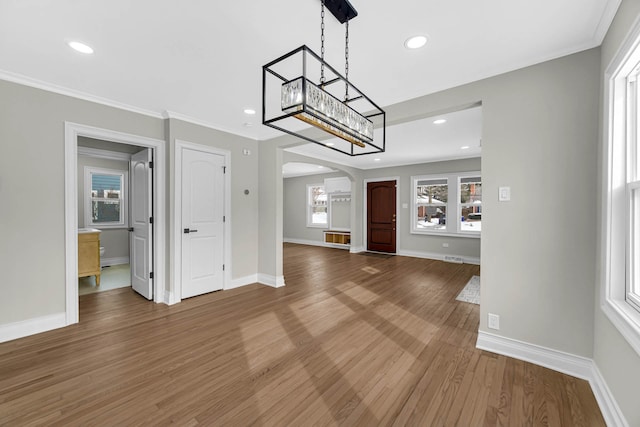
(352, 340)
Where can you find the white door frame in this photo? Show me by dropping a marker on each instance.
(176, 248)
(71, 133)
(399, 222)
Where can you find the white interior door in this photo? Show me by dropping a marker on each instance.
(202, 222)
(140, 227)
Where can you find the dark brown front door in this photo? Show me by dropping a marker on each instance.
(381, 216)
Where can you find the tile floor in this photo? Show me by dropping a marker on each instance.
(116, 276)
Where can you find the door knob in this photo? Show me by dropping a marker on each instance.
(187, 231)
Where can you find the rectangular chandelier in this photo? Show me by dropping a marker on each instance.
(294, 97)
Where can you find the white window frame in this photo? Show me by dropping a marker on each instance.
(310, 222)
(89, 171)
(454, 206)
(618, 179)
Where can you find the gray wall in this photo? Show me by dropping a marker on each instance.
(295, 225)
(114, 240)
(419, 243)
(295, 207)
(618, 363)
(244, 176)
(540, 138)
(32, 218)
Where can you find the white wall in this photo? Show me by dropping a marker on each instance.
(616, 360)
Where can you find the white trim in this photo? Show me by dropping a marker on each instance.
(438, 257)
(399, 218)
(176, 249)
(612, 272)
(72, 131)
(169, 298)
(270, 280)
(24, 328)
(114, 261)
(610, 9)
(103, 154)
(123, 199)
(356, 249)
(166, 114)
(570, 364)
(50, 87)
(611, 412)
(560, 361)
(242, 281)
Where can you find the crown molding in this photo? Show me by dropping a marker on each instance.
(609, 12)
(182, 117)
(61, 90)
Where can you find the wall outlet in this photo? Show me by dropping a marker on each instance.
(445, 245)
(494, 321)
(504, 194)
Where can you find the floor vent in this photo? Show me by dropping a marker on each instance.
(454, 259)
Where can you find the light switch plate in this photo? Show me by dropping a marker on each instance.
(504, 194)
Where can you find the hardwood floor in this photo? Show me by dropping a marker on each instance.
(352, 339)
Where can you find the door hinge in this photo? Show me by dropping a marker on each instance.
(150, 220)
(224, 169)
(224, 218)
(151, 164)
(151, 275)
(222, 267)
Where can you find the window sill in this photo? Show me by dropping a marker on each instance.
(447, 234)
(626, 319)
(317, 225)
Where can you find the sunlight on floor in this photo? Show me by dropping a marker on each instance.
(264, 340)
(114, 277)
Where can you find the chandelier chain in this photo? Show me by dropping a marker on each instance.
(322, 43)
(346, 61)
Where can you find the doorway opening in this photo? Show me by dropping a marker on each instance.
(147, 204)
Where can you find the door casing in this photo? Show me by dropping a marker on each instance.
(72, 132)
(176, 221)
(399, 213)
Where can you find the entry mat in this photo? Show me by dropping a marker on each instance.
(471, 291)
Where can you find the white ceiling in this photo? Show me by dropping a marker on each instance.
(202, 60)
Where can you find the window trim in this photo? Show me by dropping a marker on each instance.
(453, 187)
(310, 224)
(124, 198)
(614, 219)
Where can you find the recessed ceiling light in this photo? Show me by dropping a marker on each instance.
(320, 167)
(415, 42)
(439, 121)
(330, 144)
(376, 160)
(80, 47)
(249, 111)
(464, 147)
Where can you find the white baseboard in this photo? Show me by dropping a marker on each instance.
(437, 256)
(356, 249)
(269, 280)
(242, 281)
(24, 328)
(114, 261)
(570, 364)
(608, 406)
(169, 298)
